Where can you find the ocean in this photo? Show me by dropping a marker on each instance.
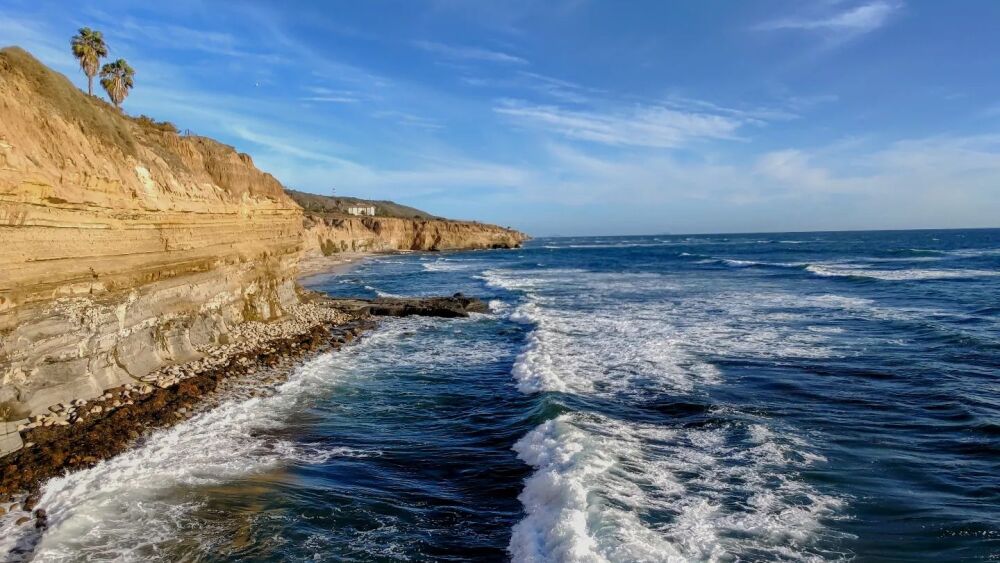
(763, 397)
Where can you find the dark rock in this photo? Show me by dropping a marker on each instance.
(101, 435)
(455, 306)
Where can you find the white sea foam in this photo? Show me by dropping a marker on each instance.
(129, 507)
(498, 306)
(607, 490)
(975, 252)
(570, 352)
(715, 494)
(585, 339)
(381, 293)
(124, 507)
(846, 270)
(446, 265)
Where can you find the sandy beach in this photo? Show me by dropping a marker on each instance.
(328, 266)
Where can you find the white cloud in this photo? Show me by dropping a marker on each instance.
(793, 167)
(408, 119)
(179, 37)
(330, 99)
(860, 19)
(469, 53)
(37, 38)
(913, 183)
(304, 162)
(641, 126)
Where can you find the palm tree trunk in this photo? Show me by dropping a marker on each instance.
(90, 85)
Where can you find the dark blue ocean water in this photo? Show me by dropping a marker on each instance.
(792, 396)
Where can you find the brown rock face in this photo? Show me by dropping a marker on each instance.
(126, 247)
(123, 245)
(91, 201)
(329, 235)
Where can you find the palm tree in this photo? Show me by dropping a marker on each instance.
(116, 78)
(88, 46)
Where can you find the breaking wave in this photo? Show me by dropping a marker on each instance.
(606, 488)
(853, 271)
(716, 493)
(123, 508)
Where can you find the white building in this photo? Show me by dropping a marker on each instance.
(361, 209)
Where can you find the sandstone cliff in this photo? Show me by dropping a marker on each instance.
(126, 247)
(123, 245)
(328, 235)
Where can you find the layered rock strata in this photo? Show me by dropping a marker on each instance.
(325, 235)
(124, 246)
(128, 250)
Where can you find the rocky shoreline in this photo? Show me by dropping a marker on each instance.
(80, 434)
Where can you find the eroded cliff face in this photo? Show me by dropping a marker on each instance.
(330, 235)
(123, 245)
(126, 247)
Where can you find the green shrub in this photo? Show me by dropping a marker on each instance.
(149, 123)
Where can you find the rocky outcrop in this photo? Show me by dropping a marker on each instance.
(125, 246)
(325, 235)
(455, 306)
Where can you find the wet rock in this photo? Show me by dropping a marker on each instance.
(457, 305)
(109, 424)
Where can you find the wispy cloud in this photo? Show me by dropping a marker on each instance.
(36, 36)
(838, 186)
(857, 20)
(330, 99)
(408, 119)
(327, 95)
(533, 83)
(182, 38)
(640, 126)
(459, 52)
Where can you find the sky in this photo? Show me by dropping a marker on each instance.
(577, 117)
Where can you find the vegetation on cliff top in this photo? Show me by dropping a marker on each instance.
(92, 114)
(89, 48)
(117, 78)
(336, 205)
(100, 121)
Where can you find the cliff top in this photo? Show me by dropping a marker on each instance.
(46, 115)
(62, 98)
(337, 205)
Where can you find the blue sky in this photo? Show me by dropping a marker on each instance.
(581, 116)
